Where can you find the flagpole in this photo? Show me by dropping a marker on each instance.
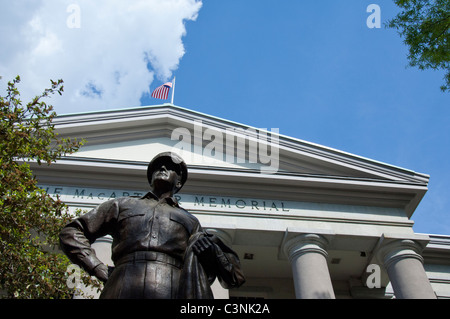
(173, 90)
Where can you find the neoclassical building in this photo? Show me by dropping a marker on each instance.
(307, 221)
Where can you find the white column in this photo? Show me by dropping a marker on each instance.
(404, 266)
(308, 256)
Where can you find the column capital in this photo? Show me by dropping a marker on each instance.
(305, 243)
(399, 249)
(404, 265)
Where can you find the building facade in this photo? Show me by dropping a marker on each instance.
(307, 221)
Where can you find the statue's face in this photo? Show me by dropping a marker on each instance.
(167, 174)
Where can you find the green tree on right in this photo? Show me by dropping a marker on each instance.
(425, 27)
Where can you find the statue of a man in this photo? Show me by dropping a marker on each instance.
(159, 249)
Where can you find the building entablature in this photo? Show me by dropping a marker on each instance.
(287, 203)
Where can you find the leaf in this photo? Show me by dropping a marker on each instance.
(30, 220)
(425, 26)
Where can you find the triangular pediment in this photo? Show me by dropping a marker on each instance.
(137, 135)
(143, 150)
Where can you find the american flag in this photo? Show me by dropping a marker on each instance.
(162, 92)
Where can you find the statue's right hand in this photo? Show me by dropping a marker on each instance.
(101, 272)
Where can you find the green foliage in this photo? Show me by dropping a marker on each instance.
(31, 266)
(425, 26)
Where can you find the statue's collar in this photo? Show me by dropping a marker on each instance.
(170, 200)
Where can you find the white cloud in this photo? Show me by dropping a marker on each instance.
(108, 52)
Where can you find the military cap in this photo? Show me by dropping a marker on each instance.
(170, 159)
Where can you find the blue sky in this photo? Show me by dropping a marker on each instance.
(316, 71)
(313, 69)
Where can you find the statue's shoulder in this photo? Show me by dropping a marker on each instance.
(181, 215)
(185, 213)
(128, 199)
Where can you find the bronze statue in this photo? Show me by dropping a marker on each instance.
(160, 250)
